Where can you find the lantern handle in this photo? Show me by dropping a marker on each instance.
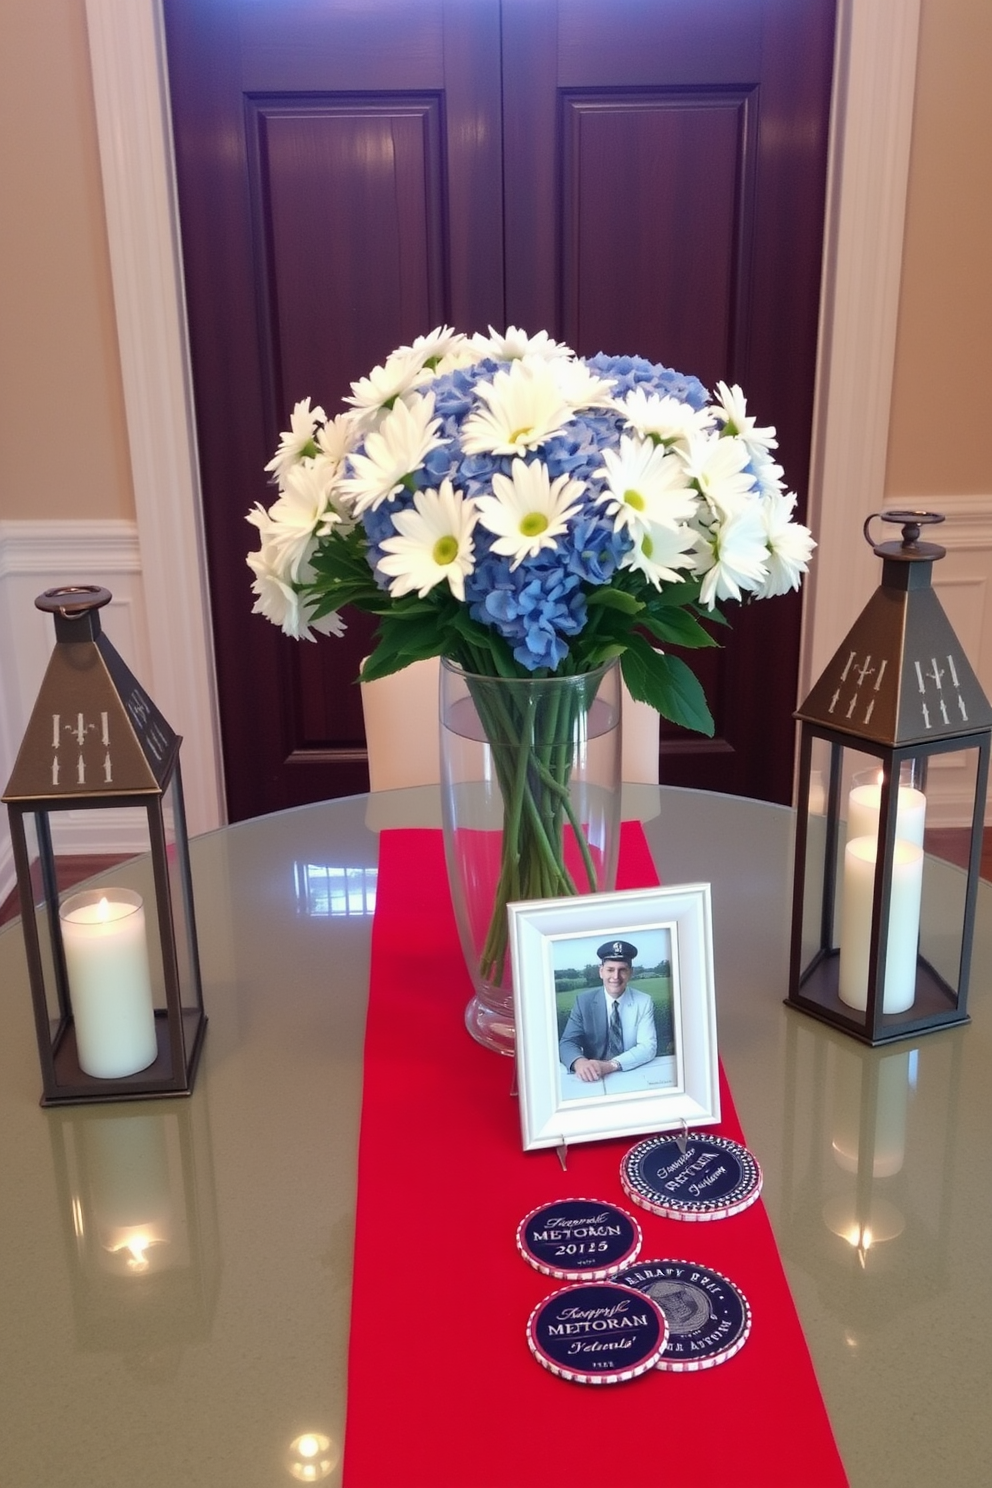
(909, 521)
(73, 601)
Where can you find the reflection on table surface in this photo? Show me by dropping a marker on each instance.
(175, 1277)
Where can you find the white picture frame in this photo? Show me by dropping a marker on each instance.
(680, 1083)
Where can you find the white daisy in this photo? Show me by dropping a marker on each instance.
(434, 543)
(463, 355)
(733, 556)
(394, 451)
(338, 437)
(524, 407)
(716, 467)
(298, 440)
(385, 385)
(645, 486)
(663, 420)
(733, 406)
(790, 546)
(441, 342)
(293, 523)
(769, 478)
(279, 602)
(528, 510)
(660, 551)
(516, 343)
(580, 387)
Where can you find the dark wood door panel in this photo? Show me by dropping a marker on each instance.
(645, 176)
(671, 203)
(379, 162)
(339, 172)
(655, 209)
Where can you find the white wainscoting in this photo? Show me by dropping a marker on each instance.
(38, 555)
(962, 581)
(35, 556)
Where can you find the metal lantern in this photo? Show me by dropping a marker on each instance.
(115, 981)
(881, 948)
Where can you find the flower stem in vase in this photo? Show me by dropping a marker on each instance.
(543, 786)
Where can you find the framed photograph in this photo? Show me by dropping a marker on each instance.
(615, 1014)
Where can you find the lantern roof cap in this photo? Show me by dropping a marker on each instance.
(910, 550)
(900, 676)
(94, 731)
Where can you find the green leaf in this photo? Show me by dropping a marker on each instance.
(400, 641)
(677, 595)
(667, 684)
(614, 599)
(714, 616)
(678, 628)
(599, 655)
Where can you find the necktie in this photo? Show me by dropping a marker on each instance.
(615, 1046)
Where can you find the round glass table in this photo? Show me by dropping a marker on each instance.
(175, 1275)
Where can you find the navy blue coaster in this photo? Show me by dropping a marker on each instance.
(708, 1318)
(597, 1333)
(579, 1239)
(711, 1179)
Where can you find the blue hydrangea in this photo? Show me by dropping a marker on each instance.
(539, 605)
(534, 606)
(630, 372)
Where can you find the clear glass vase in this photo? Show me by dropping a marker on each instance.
(530, 778)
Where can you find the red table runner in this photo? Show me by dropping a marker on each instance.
(443, 1391)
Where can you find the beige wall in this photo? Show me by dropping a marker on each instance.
(63, 448)
(938, 432)
(63, 442)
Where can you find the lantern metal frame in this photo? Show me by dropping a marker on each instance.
(892, 724)
(813, 987)
(89, 675)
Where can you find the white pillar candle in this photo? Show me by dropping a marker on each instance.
(904, 924)
(106, 960)
(864, 807)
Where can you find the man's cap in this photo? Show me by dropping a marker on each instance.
(617, 950)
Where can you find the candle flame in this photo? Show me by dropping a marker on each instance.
(103, 909)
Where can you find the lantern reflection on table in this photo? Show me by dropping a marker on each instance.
(136, 1192)
(869, 1143)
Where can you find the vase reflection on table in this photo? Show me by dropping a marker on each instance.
(530, 778)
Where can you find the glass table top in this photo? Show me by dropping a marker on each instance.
(175, 1275)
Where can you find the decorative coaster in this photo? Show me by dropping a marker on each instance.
(598, 1333)
(708, 1318)
(711, 1178)
(579, 1239)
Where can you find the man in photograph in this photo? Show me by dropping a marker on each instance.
(611, 1027)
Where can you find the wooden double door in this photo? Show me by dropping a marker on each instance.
(641, 176)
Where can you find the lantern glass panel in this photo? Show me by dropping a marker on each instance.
(816, 905)
(942, 920)
(177, 857)
(34, 825)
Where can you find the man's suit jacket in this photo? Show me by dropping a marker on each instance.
(586, 1034)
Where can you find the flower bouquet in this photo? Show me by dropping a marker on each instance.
(528, 514)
